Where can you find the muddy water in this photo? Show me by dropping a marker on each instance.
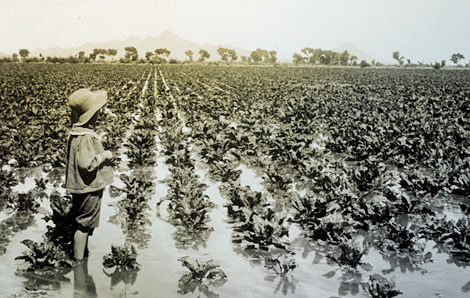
(246, 278)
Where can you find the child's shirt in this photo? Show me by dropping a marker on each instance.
(85, 171)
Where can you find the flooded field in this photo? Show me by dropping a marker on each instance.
(216, 195)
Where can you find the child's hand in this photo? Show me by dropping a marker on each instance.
(102, 134)
(107, 155)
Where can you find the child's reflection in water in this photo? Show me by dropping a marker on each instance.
(83, 285)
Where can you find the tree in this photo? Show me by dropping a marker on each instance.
(344, 58)
(223, 53)
(161, 54)
(297, 58)
(233, 55)
(325, 58)
(148, 56)
(203, 55)
(131, 53)
(454, 58)
(258, 55)
(112, 52)
(310, 55)
(396, 56)
(24, 53)
(353, 60)
(81, 55)
(244, 58)
(98, 52)
(190, 54)
(14, 57)
(272, 57)
(364, 64)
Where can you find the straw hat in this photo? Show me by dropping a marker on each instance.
(85, 104)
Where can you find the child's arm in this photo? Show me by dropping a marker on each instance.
(87, 158)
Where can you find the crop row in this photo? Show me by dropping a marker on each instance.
(364, 173)
(189, 206)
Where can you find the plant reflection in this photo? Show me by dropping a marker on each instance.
(43, 282)
(124, 261)
(19, 221)
(285, 283)
(122, 274)
(185, 238)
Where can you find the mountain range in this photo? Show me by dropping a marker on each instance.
(170, 41)
(353, 50)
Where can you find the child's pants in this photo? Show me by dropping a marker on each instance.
(86, 209)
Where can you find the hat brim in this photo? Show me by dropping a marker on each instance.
(100, 98)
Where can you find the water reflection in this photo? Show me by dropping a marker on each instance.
(466, 287)
(83, 285)
(349, 283)
(196, 286)
(122, 274)
(284, 283)
(185, 238)
(42, 282)
(17, 222)
(404, 262)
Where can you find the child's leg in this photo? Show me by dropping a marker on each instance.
(87, 219)
(79, 242)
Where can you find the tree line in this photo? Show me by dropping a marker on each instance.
(455, 58)
(309, 56)
(324, 57)
(158, 56)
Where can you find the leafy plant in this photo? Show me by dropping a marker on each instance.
(201, 275)
(124, 256)
(141, 148)
(44, 256)
(281, 265)
(347, 254)
(380, 287)
(398, 238)
(260, 231)
(24, 201)
(457, 237)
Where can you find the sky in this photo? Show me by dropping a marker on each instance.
(422, 30)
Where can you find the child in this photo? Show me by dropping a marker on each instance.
(88, 171)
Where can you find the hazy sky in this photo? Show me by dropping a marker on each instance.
(425, 30)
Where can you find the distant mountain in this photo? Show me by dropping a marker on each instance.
(353, 50)
(3, 55)
(167, 39)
